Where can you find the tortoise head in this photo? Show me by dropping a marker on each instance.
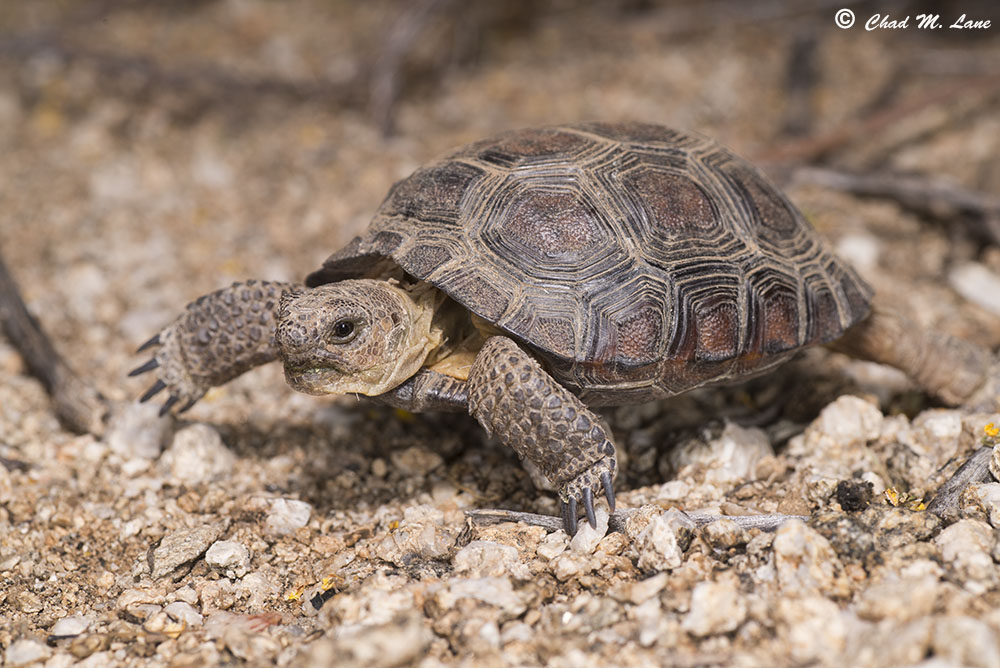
(356, 336)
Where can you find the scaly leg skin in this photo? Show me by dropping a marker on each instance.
(957, 372)
(513, 397)
(218, 337)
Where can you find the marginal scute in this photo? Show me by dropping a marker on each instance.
(424, 259)
(527, 146)
(717, 329)
(432, 193)
(634, 261)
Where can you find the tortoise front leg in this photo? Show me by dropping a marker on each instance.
(513, 397)
(218, 337)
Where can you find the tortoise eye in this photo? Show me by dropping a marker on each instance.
(344, 331)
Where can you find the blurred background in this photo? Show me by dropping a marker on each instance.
(154, 151)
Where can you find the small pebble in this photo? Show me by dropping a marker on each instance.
(73, 625)
(716, 607)
(184, 612)
(978, 284)
(287, 515)
(723, 534)
(230, 557)
(197, 455)
(587, 537)
(658, 545)
(137, 431)
(966, 546)
(25, 652)
(805, 561)
(482, 558)
(179, 548)
(415, 461)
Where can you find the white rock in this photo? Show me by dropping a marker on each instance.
(966, 546)
(966, 641)
(806, 563)
(73, 625)
(716, 607)
(731, 457)
(422, 532)
(482, 558)
(197, 455)
(498, 592)
(24, 652)
(184, 612)
(657, 545)
(415, 461)
(287, 515)
(849, 421)
(815, 629)
(553, 545)
(988, 496)
(643, 590)
(899, 599)
(978, 284)
(587, 537)
(995, 462)
(137, 431)
(230, 557)
(861, 250)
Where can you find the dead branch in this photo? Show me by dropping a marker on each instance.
(78, 405)
(618, 518)
(924, 195)
(976, 469)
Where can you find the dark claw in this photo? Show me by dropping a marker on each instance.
(151, 392)
(148, 366)
(187, 406)
(588, 506)
(609, 492)
(571, 515)
(168, 404)
(155, 341)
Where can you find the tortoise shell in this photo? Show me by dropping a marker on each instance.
(636, 261)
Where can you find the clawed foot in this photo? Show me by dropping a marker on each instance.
(580, 492)
(171, 372)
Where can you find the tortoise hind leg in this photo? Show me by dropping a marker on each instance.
(956, 372)
(218, 337)
(513, 397)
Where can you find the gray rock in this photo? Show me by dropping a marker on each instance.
(178, 548)
(733, 456)
(197, 455)
(978, 284)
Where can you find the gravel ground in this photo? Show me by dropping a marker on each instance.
(148, 156)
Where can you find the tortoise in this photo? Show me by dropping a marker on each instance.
(533, 276)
